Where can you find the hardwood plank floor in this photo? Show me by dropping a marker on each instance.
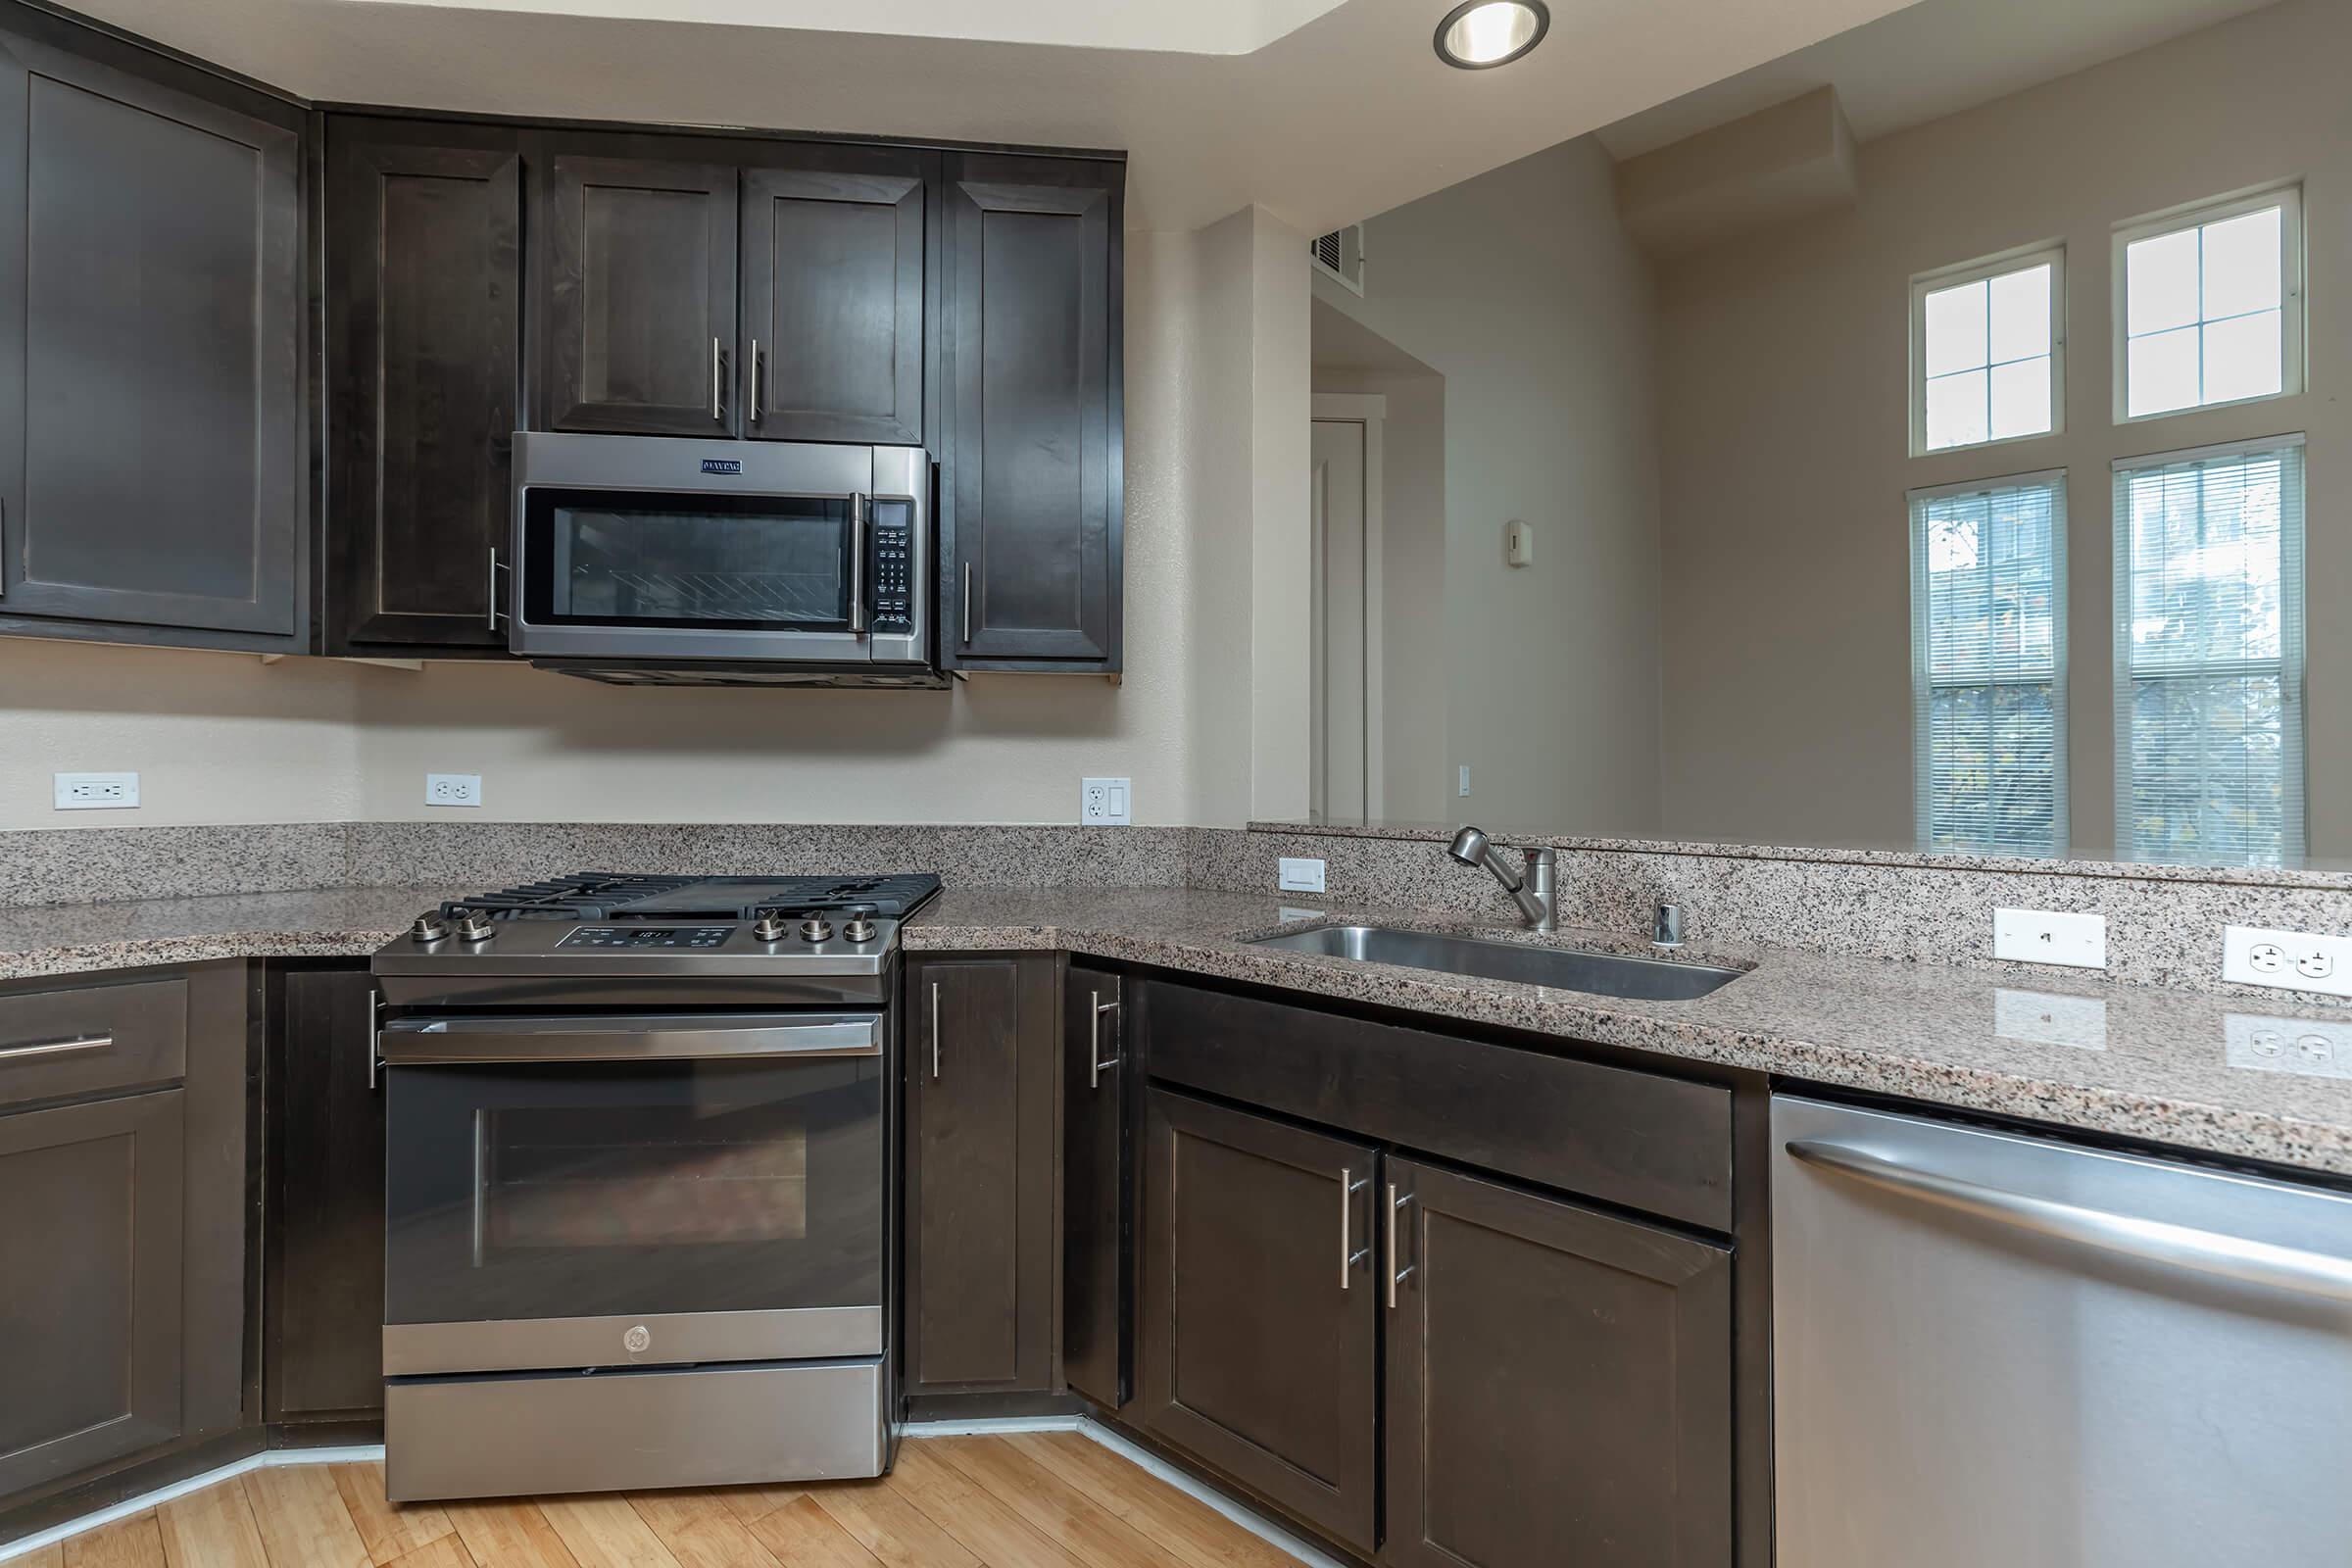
(1036, 1500)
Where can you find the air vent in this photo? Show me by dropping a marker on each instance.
(1339, 255)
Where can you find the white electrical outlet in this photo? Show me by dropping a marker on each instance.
(1294, 875)
(2044, 1020)
(96, 791)
(1105, 801)
(453, 789)
(1463, 788)
(2049, 936)
(2292, 961)
(2303, 1046)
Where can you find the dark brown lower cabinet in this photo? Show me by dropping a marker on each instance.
(90, 1268)
(1094, 1239)
(1260, 1314)
(323, 1281)
(1559, 1383)
(981, 1229)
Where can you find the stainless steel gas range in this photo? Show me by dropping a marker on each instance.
(638, 1195)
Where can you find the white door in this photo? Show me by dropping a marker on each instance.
(1338, 761)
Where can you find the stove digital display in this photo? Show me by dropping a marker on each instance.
(638, 937)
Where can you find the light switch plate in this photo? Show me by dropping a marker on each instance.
(453, 789)
(2303, 1046)
(96, 791)
(2291, 960)
(2049, 1020)
(1295, 875)
(1105, 801)
(2050, 936)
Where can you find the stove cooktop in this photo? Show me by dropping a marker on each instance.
(619, 896)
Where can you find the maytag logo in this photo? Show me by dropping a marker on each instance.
(722, 465)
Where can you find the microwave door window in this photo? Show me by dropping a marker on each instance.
(748, 562)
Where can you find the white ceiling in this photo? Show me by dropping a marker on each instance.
(1347, 115)
(1930, 59)
(1194, 27)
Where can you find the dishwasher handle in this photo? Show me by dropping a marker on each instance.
(2203, 1252)
(674, 1037)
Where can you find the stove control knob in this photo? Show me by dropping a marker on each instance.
(860, 929)
(768, 929)
(430, 927)
(816, 928)
(473, 926)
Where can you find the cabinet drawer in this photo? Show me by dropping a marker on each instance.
(1657, 1143)
(87, 1039)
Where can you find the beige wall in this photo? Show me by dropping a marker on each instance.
(1522, 290)
(1787, 702)
(1212, 372)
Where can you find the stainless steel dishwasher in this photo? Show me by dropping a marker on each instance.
(1992, 1348)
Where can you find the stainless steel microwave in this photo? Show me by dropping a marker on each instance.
(641, 559)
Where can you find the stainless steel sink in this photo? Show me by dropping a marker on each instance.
(1606, 975)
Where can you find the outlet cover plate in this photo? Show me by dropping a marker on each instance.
(453, 789)
(1105, 801)
(2050, 936)
(96, 791)
(2291, 960)
(1293, 874)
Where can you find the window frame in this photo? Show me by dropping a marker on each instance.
(2017, 259)
(2288, 197)
(1923, 685)
(2295, 653)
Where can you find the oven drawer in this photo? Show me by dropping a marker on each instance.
(89, 1038)
(712, 1426)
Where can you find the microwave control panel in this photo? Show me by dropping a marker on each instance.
(894, 568)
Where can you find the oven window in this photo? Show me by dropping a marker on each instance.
(735, 562)
(580, 1190)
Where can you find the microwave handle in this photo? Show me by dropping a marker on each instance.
(856, 565)
(415, 1041)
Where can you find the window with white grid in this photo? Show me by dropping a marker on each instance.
(2209, 654)
(2209, 305)
(1987, 350)
(1988, 665)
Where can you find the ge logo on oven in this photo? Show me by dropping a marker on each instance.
(638, 1340)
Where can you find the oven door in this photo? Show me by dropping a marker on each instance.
(570, 1191)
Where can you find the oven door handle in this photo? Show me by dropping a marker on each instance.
(416, 1041)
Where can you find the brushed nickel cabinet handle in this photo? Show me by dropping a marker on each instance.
(935, 1029)
(717, 412)
(56, 1048)
(1094, 1040)
(376, 1035)
(752, 391)
(967, 604)
(1396, 1275)
(492, 617)
(1347, 1218)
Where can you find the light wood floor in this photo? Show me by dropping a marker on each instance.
(1031, 1499)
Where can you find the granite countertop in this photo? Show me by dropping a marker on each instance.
(2171, 1066)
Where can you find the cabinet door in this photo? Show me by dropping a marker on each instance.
(637, 273)
(1094, 1187)
(324, 1302)
(424, 313)
(981, 1226)
(833, 294)
(1559, 1383)
(1261, 1308)
(90, 1240)
(1034, 358)
(151, 440)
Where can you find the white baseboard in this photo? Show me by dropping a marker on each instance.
(357, 1454)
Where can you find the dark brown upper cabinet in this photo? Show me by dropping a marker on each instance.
(425, 320)
(152, 451)
(835, 298)
(981, 1227)
(1032, 503)
(1559, 1382)
(1260, 1314)
(636, 259)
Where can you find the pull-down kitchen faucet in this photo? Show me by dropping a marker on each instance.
(1534, 892)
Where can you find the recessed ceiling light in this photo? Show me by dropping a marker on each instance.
(1481, 33)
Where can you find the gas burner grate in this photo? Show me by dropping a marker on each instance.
(625, 896)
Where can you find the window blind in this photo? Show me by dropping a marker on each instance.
(1988, 665)
(2209, 654)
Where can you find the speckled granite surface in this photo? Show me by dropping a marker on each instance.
(2169, 1066)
